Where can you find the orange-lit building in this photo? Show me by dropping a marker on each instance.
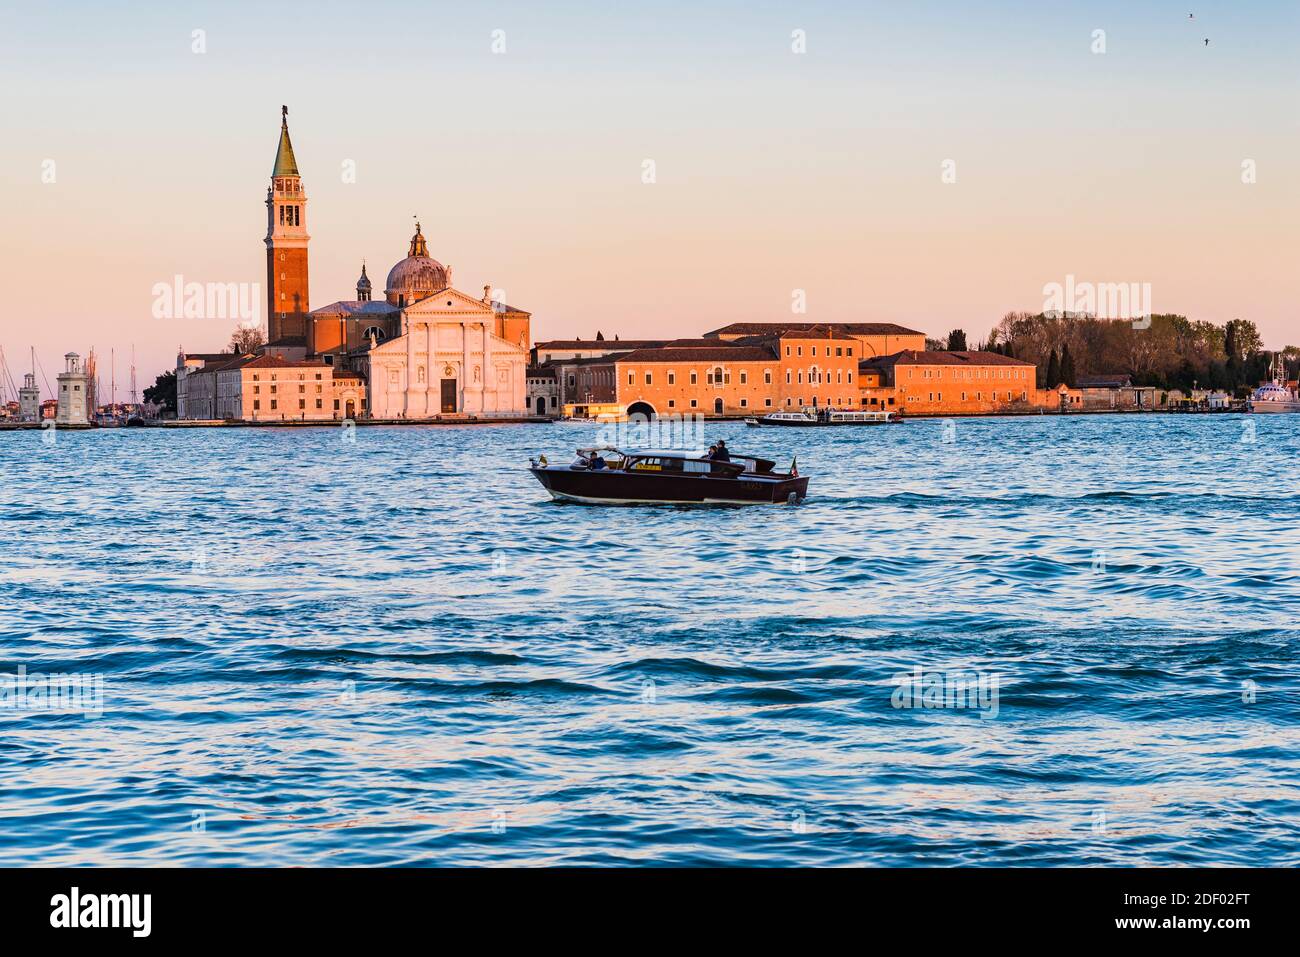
(953, 383)
(874, 338)
(820, 366)
(790, 369)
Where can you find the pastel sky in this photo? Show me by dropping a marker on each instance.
(775, 171)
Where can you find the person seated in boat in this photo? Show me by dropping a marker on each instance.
(712, 453)
(720, 453)
(596, 462)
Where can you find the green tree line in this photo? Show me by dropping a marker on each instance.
(1173, 352)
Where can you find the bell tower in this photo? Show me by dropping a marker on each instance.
(286, 244)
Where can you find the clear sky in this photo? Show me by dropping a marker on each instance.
(775, 171)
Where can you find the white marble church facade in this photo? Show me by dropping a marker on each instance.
(449, 358)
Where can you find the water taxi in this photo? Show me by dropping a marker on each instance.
(819, 417)
(604, 475)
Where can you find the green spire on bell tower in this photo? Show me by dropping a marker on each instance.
(285, 163)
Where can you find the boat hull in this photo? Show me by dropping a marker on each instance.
(817, 425)
(616, 487)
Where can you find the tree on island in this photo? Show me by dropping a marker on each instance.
(163, 391)
(1067, 366)
(957, 341)
(1169, 351)
(246, 339)
(1053, 376)
(1241, 339)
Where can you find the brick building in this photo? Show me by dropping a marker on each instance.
(788, 369)
(267, 389)
(921, 381)
(874, 338)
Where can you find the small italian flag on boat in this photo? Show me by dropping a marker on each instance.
(794, 467)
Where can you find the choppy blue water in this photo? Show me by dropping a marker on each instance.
(399, 651)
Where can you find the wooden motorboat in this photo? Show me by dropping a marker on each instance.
(609, 476)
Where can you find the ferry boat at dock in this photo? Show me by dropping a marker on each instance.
(821, 417)
(604, 475)
(1275, 396)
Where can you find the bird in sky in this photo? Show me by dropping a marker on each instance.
(1207, 41)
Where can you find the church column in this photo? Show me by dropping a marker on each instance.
(430, 341)
(466, 369)
(410, 368)
(489, 384)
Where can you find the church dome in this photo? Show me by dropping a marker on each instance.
(416, 277)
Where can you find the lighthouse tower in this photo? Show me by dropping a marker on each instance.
(29, 399)
(73, 386)
(286, 247)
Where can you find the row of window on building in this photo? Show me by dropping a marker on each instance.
(979, 397)
(982, 373)
(302, 405)
(721, 377)
(839, 351)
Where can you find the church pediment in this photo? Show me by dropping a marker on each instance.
(448, 302)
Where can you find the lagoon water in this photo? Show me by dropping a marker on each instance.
(398, 651)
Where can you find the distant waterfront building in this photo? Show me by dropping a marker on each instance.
(803, 366)
(73, 389)
(29, 399)
(252, 388)
(555, 350)
(793, 368)
(543, 390)
(1117, 391)
(874, 338)
(943, 383)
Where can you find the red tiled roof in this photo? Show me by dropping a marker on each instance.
(279, 362)
(719, 353)
(840, 328)
(586, 360)
(914, 357)
(610, 345)
(1106, 381)
(692, 344)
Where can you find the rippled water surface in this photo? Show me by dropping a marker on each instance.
(398, 651)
